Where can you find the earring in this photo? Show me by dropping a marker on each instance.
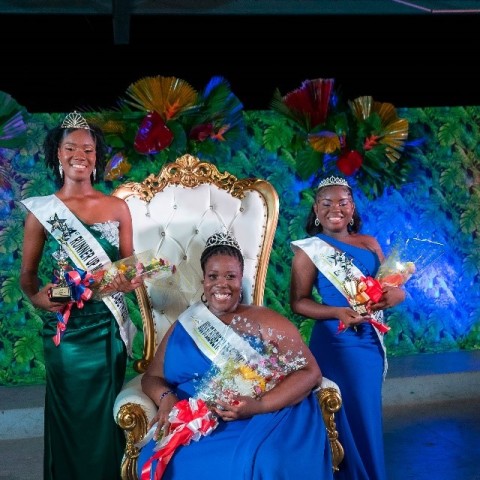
(317, 222)
(94, 173)
(351, 222)
(241, 296)
(60, 170)
(204, 299)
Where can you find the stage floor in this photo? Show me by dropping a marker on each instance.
(431, 421)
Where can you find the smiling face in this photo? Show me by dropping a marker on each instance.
(334, 209)
(222, 283)
(77, 154)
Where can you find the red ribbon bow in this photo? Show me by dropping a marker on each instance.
(373, 289)
(189, 420)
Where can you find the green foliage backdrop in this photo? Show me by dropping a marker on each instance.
(440, 199)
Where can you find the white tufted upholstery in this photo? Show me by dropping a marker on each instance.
(176, 224)
(174, 213)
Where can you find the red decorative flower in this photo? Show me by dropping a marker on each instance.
(349, 162)
(153, 135)
(371, 142)
(201, 132)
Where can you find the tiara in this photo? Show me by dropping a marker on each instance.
(330, 181)
(74, 120)
(222, 239)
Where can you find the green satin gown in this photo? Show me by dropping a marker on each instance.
(84, 374)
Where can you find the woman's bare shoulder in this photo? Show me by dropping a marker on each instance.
(111, 199)
(368, 242)
(114, 204)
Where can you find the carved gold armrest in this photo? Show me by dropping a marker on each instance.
(133, 411)
(330, 401)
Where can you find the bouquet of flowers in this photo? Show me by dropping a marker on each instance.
(144, 264)
(411, 257)
(361, 291)
(251, 371)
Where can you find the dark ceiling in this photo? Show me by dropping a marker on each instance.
(121, 11)
(60, 61)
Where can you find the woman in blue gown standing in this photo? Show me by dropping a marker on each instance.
(277, 435)
(347, 343)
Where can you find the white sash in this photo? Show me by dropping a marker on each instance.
(322, 254)
(84, 251)
(217, 341)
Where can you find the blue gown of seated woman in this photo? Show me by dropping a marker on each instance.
(288, 444)
(354, 360)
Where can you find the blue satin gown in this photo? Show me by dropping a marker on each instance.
(289, 444)
(355, 361)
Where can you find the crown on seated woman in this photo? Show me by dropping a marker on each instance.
(74, 120)
(222, 239)
(331, 181)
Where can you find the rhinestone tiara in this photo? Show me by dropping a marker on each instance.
(74, 120)
(222, 239)
(330, 181)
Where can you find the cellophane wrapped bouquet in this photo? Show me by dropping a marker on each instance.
(145, 264)
(407, 258)
(250, 372)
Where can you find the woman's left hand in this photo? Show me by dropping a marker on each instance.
(391, 296)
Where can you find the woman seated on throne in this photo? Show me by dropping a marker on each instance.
(245, 377)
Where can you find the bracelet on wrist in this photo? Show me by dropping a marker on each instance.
(164, 394)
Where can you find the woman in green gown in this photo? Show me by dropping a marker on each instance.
(86, 340)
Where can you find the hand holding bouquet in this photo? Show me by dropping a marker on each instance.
(144, 264)
(406, 259)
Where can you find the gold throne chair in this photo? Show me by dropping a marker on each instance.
(174, 213)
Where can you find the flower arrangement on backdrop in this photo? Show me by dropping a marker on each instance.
(361, 138)
(161, 118)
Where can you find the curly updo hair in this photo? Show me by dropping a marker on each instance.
(313, 229)
(54, 138)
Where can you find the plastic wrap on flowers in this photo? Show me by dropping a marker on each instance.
(144, 264)
(361, 291)
(406, 259)
(411, 257)
(268, 357)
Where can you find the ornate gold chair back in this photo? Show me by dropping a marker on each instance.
(175, 212)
